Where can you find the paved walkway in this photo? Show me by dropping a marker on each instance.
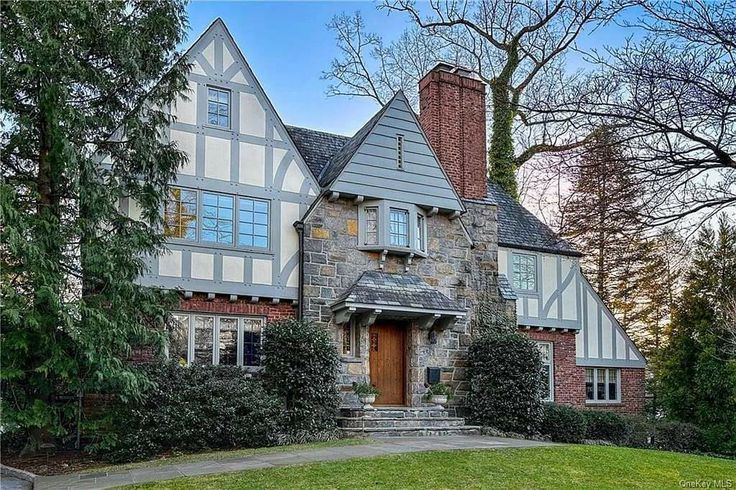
(376, 447)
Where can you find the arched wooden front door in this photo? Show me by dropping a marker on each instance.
(387, 357)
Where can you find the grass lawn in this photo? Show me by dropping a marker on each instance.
(559, 467)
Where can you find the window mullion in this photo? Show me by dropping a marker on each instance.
(240, 348)
(190, 335)
(216, 341)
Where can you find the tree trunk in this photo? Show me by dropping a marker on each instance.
(501, 150)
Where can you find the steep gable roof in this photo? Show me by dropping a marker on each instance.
(519, 228)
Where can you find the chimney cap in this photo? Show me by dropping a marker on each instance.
(457, 70)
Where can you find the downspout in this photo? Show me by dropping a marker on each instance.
(299, 225)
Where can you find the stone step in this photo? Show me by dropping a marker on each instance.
(381, 432)
(395, 413)
(357, 422)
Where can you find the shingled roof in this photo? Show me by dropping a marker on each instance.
(519, 228)
(316, 147)
(397, 292)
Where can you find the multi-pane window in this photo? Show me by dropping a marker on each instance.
(208, 339)
(253, 223)
(218, 107)
(217, 218)
(252, 341)
(180, 214)
(524, 272)
(400, 151)
(602, 384)
(371, 226)
(545, 349)
(350, 340)
(399, 227)
(220, 220)
(421, 238)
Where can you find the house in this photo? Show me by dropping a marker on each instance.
(389, 238)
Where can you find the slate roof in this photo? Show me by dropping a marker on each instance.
(519, 228)
(504, 288)
(342, 157)
(397, 290)
(316, 147)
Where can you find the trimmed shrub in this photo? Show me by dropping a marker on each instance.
(563, 424)
(193, 409)
(640, 432)
(505, 375)
(606, 426)
(301, 366)
(678, 436)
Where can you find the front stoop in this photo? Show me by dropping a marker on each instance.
(403, 421)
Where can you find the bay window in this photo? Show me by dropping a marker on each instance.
(398, 228)
(602, 385)
(213, 339)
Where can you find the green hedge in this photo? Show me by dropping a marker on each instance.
(606, 426)
(194, 409)
(561, 423)
(505, 375)
(301, 367)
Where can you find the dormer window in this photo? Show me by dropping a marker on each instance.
(395, 227)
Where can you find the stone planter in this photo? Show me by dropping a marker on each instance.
(438, 400)
(367, 401)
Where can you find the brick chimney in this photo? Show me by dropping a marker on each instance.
(452, 111)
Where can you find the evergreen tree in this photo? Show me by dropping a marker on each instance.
(697, 370)
(81, 80)
(600, 220)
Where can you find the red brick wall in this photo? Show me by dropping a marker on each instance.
(453, 114)
(223, 306)
(569, 378)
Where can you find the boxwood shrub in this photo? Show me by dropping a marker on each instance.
(193, 409)
(563, 424)
(606, 426)
(505, 375)
(677, 436)
(301, 367)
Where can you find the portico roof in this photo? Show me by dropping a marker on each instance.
(397, 295)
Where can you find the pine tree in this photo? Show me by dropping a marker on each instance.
(696, 378)
(81, 80)
(600, 220)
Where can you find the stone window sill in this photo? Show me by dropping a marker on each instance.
(393, 250)
(602, 403)
(351, 359)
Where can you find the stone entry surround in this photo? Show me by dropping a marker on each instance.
(458, 255)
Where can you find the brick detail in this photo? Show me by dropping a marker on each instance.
(570, 378)
(222, 305)
(453, 114)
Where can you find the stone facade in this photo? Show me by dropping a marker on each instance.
(333, 263)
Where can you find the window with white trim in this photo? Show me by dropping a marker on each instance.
(547, 354)
(421, 233)
(602, 384)
(524, 272)
(226, 340)
(218, 107)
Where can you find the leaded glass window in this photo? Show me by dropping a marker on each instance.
(545, 349)
(252, 341)
(204, 327)
(421, 238)
(524, 272)
(371, 226)
(228, 342)
(179, 340)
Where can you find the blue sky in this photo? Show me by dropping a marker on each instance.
(288, 45)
